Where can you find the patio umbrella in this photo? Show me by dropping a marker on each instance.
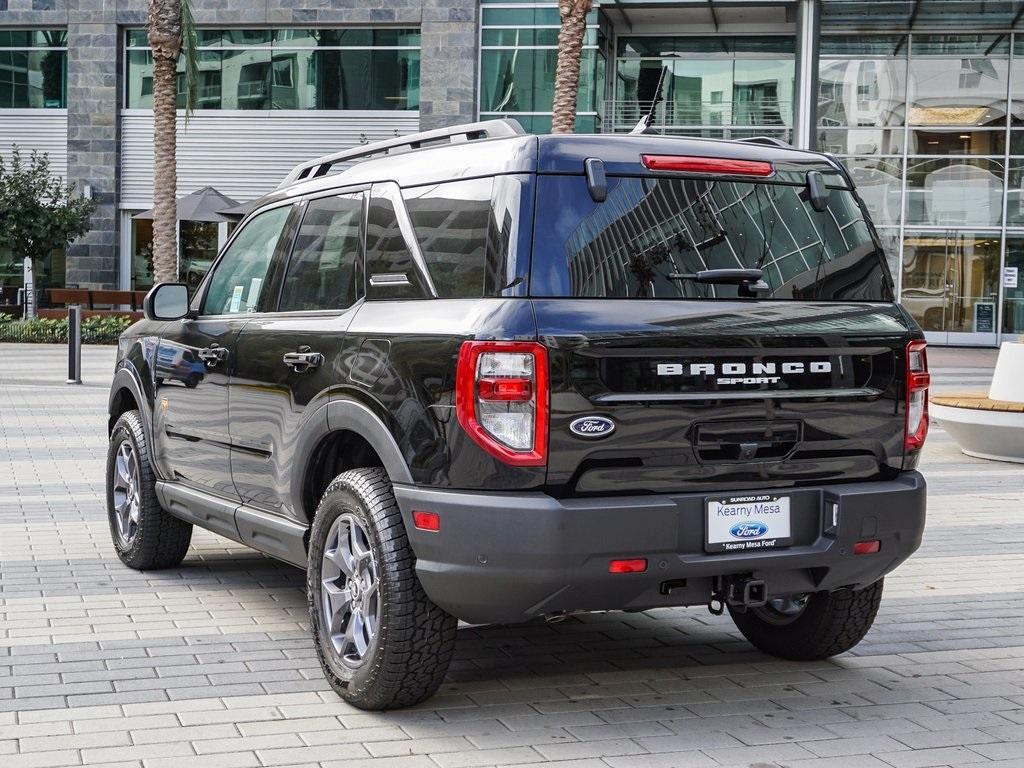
(204, 204)
(240, 211)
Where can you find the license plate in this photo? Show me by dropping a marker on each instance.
(741, 523)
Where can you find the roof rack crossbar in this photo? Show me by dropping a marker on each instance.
(487, 129)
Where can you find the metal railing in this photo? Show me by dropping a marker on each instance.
(764, 114)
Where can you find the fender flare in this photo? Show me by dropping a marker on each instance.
(356, 417)
(127, 378)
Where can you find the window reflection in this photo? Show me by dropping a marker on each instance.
(338, 69)
(951, 192)
(966, 88)
(1013, 298)
(879, 183)
(861, 141)
(33, 69)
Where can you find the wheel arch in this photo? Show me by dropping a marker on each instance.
(126, 395)
(348, 436)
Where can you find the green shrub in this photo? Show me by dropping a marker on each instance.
(95, 330)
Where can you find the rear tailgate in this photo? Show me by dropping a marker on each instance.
(722, 395)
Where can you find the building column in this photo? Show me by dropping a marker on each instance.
(93, 157)
(448, 63)
(808, 38)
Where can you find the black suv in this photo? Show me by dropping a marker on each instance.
(482, 375)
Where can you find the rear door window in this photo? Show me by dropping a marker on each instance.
(651, 231)
(323, 270)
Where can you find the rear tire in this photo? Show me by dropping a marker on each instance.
(382, 643)
(145, 537)
(828, 624)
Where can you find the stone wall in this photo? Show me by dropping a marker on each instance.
(95, 91)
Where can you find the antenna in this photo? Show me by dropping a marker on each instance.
(644, 126)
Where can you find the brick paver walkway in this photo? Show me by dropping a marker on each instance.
(209, 665)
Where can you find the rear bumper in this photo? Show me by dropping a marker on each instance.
(507, 557)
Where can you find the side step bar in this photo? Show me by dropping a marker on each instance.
(267, 533)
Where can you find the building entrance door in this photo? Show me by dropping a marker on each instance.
(951, 287)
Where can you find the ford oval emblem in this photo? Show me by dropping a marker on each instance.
(750, 530)
(592, 426)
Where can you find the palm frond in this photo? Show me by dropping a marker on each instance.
(190, 52)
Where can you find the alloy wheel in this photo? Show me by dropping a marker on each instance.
(126, 483)
(350, 594)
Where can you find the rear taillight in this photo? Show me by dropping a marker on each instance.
(916, 425)
(707, 165)
(501, 398)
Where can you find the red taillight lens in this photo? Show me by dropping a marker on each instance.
(638, 565)
(867, 547)
(918, 380)
(501, 399)
(426, 521)
(710, 165)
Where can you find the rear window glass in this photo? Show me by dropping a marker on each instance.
(652, 232)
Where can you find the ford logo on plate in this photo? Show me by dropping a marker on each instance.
(750, 530)
(592, 426)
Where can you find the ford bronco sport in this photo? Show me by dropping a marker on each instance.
(482, 375)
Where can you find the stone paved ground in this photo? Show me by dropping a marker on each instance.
(208, 665)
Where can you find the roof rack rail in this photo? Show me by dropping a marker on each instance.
(769, 140)
(488, 129)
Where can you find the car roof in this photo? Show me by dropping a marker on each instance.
(561, 154)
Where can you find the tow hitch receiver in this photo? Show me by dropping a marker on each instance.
(739, 593)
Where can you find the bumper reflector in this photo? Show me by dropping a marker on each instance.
(427, 521)
(867, 547)
(638, 565)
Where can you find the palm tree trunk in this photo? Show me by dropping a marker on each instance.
(567, 73)
(164, 32)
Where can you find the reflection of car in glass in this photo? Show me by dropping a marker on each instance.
(495, 376)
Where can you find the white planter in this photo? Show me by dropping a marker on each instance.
(1008, 379)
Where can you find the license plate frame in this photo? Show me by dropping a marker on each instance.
(747, 522)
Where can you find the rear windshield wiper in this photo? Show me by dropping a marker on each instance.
(722, 276)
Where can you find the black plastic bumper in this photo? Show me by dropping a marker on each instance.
(507, 557)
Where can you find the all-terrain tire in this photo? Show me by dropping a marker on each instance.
(831, 623)
(407, 660)
(159, 540)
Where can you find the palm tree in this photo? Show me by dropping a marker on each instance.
(171, 33)
(567, 72)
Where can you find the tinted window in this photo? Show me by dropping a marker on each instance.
(323, 267)
(651, 231)
(239, 277)
(451, 223)
(390, 267)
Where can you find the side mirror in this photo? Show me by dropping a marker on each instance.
(166, 301)
(817, 192)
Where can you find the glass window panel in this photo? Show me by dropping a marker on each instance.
(879, 182)
(142, 254)
(396, 76)
(323, 270)
(245, 79)
(966, 45)
(140, 80)
(762, 92)
(1013, 298)
(515, 17)
(969, 91)
(861, 141)
(946, 275)
(49, 38)
(959, 142)
(15, 38)
(33, 79)
(861, 92)
(290, 84)
(516, 37)
(890, 237)
(396, 37)
(954, 192)
(387, 252)
(1015, 194)
(863, 45)
(136, 38)
(244, 38)
(237, 282)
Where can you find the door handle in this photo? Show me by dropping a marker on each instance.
(212, 356)
(303, 360)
